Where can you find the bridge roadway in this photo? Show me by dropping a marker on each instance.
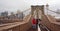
(26, 25)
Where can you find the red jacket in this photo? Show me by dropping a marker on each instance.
(33, 21)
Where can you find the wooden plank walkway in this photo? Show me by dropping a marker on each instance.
(31, 29)
(37, 29)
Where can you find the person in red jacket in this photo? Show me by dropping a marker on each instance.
(34, 23)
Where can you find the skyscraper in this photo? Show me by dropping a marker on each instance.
(4, 13)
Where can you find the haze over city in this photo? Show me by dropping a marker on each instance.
(14, 5)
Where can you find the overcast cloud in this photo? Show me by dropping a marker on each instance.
(13, 5)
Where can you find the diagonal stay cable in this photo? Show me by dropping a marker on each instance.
(55, 12)
(26, 9)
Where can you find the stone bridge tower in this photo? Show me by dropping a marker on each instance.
(39, 10)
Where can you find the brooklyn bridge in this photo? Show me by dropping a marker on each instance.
(47, 23)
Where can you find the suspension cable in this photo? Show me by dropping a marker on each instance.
(27, 9)
(55, 12)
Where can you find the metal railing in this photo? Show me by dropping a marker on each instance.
(43, 27)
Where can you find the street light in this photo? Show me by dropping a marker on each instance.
(47, 7)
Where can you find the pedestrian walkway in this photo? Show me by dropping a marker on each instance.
(39, 28)
(31, 29)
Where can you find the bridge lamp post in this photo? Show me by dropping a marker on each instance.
(47, 7)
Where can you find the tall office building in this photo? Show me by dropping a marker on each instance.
(4, 13)
(20, 15)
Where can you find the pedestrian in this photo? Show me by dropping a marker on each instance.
(39, 20)
(33, 23)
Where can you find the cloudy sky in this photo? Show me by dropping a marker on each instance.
(13, 5)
